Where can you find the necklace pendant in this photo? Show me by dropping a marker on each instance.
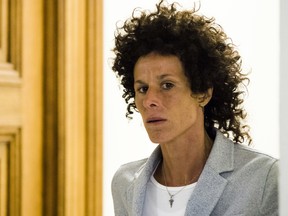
(171, 201)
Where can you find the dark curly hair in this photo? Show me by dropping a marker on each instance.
(208, 56)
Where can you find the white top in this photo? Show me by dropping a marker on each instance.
(157, 199)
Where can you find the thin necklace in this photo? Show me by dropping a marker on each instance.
(171, 200)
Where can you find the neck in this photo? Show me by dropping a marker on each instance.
(183, 161)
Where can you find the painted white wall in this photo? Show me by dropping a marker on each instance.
(254, 27)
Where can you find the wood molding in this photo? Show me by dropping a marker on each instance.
(4, 33)
(94, 108)
(10, 159)
(51, 117)
(10, 37)
(8, 76)
(73, 108)
(10, 42)
(21, 105)
(10, 171)
(31, 106)
(15, 38)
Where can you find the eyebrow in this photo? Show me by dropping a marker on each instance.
(139, 82)
(161, 77)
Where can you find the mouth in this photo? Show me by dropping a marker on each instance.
(155, 120)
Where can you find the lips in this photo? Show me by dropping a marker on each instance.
(154, 120)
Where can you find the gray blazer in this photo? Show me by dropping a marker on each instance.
(236, 180)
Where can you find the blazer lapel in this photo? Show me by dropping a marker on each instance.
(206, 194)
(137, 190)
(211, 184)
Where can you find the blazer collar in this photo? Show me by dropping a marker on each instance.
(209, 187)
(211, 184)
(221, 158)
(137, 190)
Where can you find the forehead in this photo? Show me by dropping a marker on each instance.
(157, 63)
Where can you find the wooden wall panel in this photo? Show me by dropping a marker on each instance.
(10, 40)
(10, 109)
(4, 34)
(51, 139)
(10, 180)
(94, 107)
(4, 175)
(31, 107)
(21, 106)
(73, 108)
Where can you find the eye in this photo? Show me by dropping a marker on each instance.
(167, 85)
(142, 89)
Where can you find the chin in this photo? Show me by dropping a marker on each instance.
(158, 139)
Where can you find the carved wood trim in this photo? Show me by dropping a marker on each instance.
(10, 137)
(73, 79)
(4, 33)
(94, 108)
(15, 46)
(51, 140)
(10, 41)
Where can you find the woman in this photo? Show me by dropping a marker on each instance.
(183, 75)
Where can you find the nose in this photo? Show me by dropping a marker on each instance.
(152, 99)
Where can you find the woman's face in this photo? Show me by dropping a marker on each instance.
(164, 99)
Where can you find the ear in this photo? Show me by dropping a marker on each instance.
(204, 98)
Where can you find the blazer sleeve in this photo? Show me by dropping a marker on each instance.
(119, 206)
(269, 204)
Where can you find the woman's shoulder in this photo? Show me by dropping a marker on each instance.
(128, 172)
(248, 153)
(240, 155)
(255, 161)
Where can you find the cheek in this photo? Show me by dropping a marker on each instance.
(189, 111)
(137, 103)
